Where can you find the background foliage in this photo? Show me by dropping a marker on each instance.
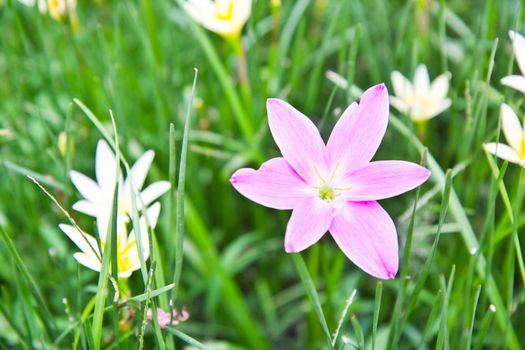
(240, 287)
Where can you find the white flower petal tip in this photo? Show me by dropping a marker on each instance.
(334, 187)
(421, 99)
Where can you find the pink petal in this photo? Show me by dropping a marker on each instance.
(367, 236)
(297, 138)
(384, 179)
(275, 185)
(359, 131)
(309, 222)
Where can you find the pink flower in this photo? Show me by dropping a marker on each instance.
(334, 187)
(165, 319)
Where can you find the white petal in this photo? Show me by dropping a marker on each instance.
(511, 128)
(139, 172)
(105, 167)
(516, 82)
(86, 186)
(504, 152)
(241, 11)
(402, 86)
(154, 191)
(86, 207)
(126, 274)
(88, 261)
(440, 107)
(439, 87)
(153, 216)
(518, 44)
(86, 243)
(140, 169)
(421, 80)
(399, 104)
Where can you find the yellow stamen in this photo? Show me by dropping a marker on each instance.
(319, 175)
(228, 15)
(333, 172)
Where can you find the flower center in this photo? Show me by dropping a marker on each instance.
(327, 191)
(224, 9)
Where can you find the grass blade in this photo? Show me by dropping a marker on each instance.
(179, 233)
(312, 294)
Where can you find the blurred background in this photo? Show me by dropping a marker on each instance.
(137, 58)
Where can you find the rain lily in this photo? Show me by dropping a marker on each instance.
(98, 195)
(165, 319)
(517, 81)
(224, 17)
(128, 259)
(6, 133)
(420, 100)
(58, 9)
(514, 152)
(334, 187)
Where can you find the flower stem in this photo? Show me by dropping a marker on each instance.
(242, 69)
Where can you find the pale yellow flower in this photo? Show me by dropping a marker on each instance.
(224, 17)
(514, 152)
(98, 195)
(128, 259)
(420, 99)
(57, 9)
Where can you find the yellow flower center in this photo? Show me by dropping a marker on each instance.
(327, 191)
(522, 151)
(224, 10)
(123, 260)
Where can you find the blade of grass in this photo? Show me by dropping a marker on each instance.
(102, 287)
(467, 232)
(443, 336)
(114, 236)
(377, 308)
(397, 326)
(312, 294)
(47, 317)
(186, 338)
(473, 319)
(349, 302)
(431, 321)
(179, 232)
(352, 60)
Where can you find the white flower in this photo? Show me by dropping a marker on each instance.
(514, 152)
(517, 81)
(98, 195)
(224, 17)
(58, 9)
(128, 259)
(420, 100)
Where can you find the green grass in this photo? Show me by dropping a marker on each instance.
(215, 253)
